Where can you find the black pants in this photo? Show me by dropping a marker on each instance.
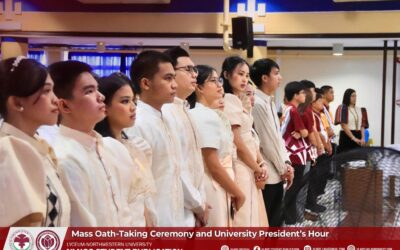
(318, 178)
(291, 195)
(346, 143)
(273, 197)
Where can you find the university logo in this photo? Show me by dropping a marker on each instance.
(21, 240)
(47, 240)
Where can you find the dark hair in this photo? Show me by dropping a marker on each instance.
(347, 96)
(228, 66)
(318, 94)
(174, 53)
(325, 89)
(65, 74)
(308, 84)
(108, 86)
(21, 78)
(146, 65)
(205, 72)
(309, 99)
(293, 88)
(261, 67)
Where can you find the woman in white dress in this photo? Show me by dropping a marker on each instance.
(216, 142)
(30, 186)
(120, 103)
(248, 168)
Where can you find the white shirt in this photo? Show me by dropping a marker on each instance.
(151, 126)
(29, 180)
(272, 147)
(144, 186)
(355, 118)
(192, 167)
(213, 132)
(49, 133)
(98, 178)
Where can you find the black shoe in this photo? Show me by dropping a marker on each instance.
(290, 222)
(319, 208)
(308, 215)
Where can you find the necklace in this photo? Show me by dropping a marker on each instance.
(355, 115)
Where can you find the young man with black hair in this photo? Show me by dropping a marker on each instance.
(184, 128)
(153, 77)
(266, 76)
(98, 171)
(293, 132)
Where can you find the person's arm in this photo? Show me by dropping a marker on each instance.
(346, 129)
(219, 174)
(244, 153)
(31, 220)
(271, 142)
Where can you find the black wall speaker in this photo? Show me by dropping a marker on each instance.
(242, 32)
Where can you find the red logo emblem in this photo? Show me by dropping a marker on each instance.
(21, 240)
(47, 240)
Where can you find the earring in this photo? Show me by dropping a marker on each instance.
(21, 109)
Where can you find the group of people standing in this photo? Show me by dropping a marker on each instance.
(176, 144)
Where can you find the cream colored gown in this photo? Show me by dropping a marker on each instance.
(214, 134)
(253, 212)
(30, 180)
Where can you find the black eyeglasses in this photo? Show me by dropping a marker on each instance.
(217, 81)
(189, 68)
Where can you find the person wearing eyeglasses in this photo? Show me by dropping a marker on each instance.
(248, 168)
(183, 127)
(153, 78)
(216, 143)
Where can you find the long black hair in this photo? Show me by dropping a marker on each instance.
(347, 96)
(205, 72)
(108, 86)
(228, 66)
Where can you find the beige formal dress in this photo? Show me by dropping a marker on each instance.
(214, 134)
(30, 180)
(253, 212)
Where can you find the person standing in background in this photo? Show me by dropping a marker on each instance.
(293, 132)
(328, 96)
(121, 113)
(216, 143)
(181, 123)
(235, 73)
(98, 171)
(350, 118)
(266, 76)
(153, 78)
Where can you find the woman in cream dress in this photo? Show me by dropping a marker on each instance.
(248, 168)
(32, 193)
(216, 143)
(121, 113)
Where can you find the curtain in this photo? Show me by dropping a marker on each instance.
(104, 64)
(38, 56)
